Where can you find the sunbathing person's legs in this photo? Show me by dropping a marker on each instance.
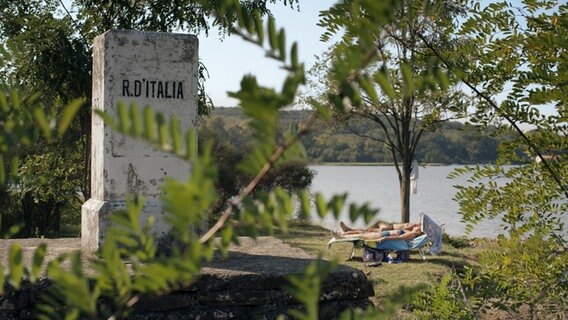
(359, 235)
(380, 225)
(346, 228)
(377, 227)
(371, 235)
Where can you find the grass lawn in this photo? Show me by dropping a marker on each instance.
(390, 280)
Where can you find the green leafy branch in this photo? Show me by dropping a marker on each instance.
(455, 65)
(306, 288)
(371, 32)
(23, 121)
(154, 129)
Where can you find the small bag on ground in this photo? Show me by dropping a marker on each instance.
(373, 255)
(402, 256)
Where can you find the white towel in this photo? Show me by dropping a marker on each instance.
(434, 233)
(414, 177)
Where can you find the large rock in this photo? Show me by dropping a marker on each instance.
(246, 284)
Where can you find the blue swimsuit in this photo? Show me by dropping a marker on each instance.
(388, 232)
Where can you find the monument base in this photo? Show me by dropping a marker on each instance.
(91, 212)
(95, 222)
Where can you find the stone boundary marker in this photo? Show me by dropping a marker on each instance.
(245, 285)
(149, 69)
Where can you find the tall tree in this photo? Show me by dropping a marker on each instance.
(47, 56)
(515, 63)
(415, 91)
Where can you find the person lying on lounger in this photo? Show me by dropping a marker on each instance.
(398, 234)
(378, 227)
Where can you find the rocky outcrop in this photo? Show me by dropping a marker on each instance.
(246, 284)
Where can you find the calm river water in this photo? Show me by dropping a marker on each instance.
(378, 185)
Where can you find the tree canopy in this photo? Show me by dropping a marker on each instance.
(400, 86)
(526, 278)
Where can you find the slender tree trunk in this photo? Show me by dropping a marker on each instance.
(405, 191)
(406, 156)
(56, 224)
(27, 210)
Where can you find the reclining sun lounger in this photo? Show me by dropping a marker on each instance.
(432, 235)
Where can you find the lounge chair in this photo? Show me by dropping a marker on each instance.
(432, 236)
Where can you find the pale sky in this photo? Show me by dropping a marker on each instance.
(229, 59)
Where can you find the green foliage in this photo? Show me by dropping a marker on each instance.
(154, 129)
(458, 242)
(199, 194)
(231, 146)
(40, 53)
(44, 195)
(529, 274)
(443, 301)
(305, 211)
(167, 17)
(306, 289)
(513, 280)
(527, 62)
(71, 285)
(47, 190)
(525, 203)
(120, 285)
(513, 56)
(44, 182)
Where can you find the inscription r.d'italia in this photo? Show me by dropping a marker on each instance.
(152, 89)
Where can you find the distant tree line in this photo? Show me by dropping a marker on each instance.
(355, 140)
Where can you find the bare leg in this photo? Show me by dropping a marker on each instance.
(379, 226)
(348, 229)
(400, 225)
(363, 235)
(344, 227)
(337, 235)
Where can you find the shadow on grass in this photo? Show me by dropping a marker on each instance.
(295, 230)
(438, 260)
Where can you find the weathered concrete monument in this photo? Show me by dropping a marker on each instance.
(160, 70)
(149, 69)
